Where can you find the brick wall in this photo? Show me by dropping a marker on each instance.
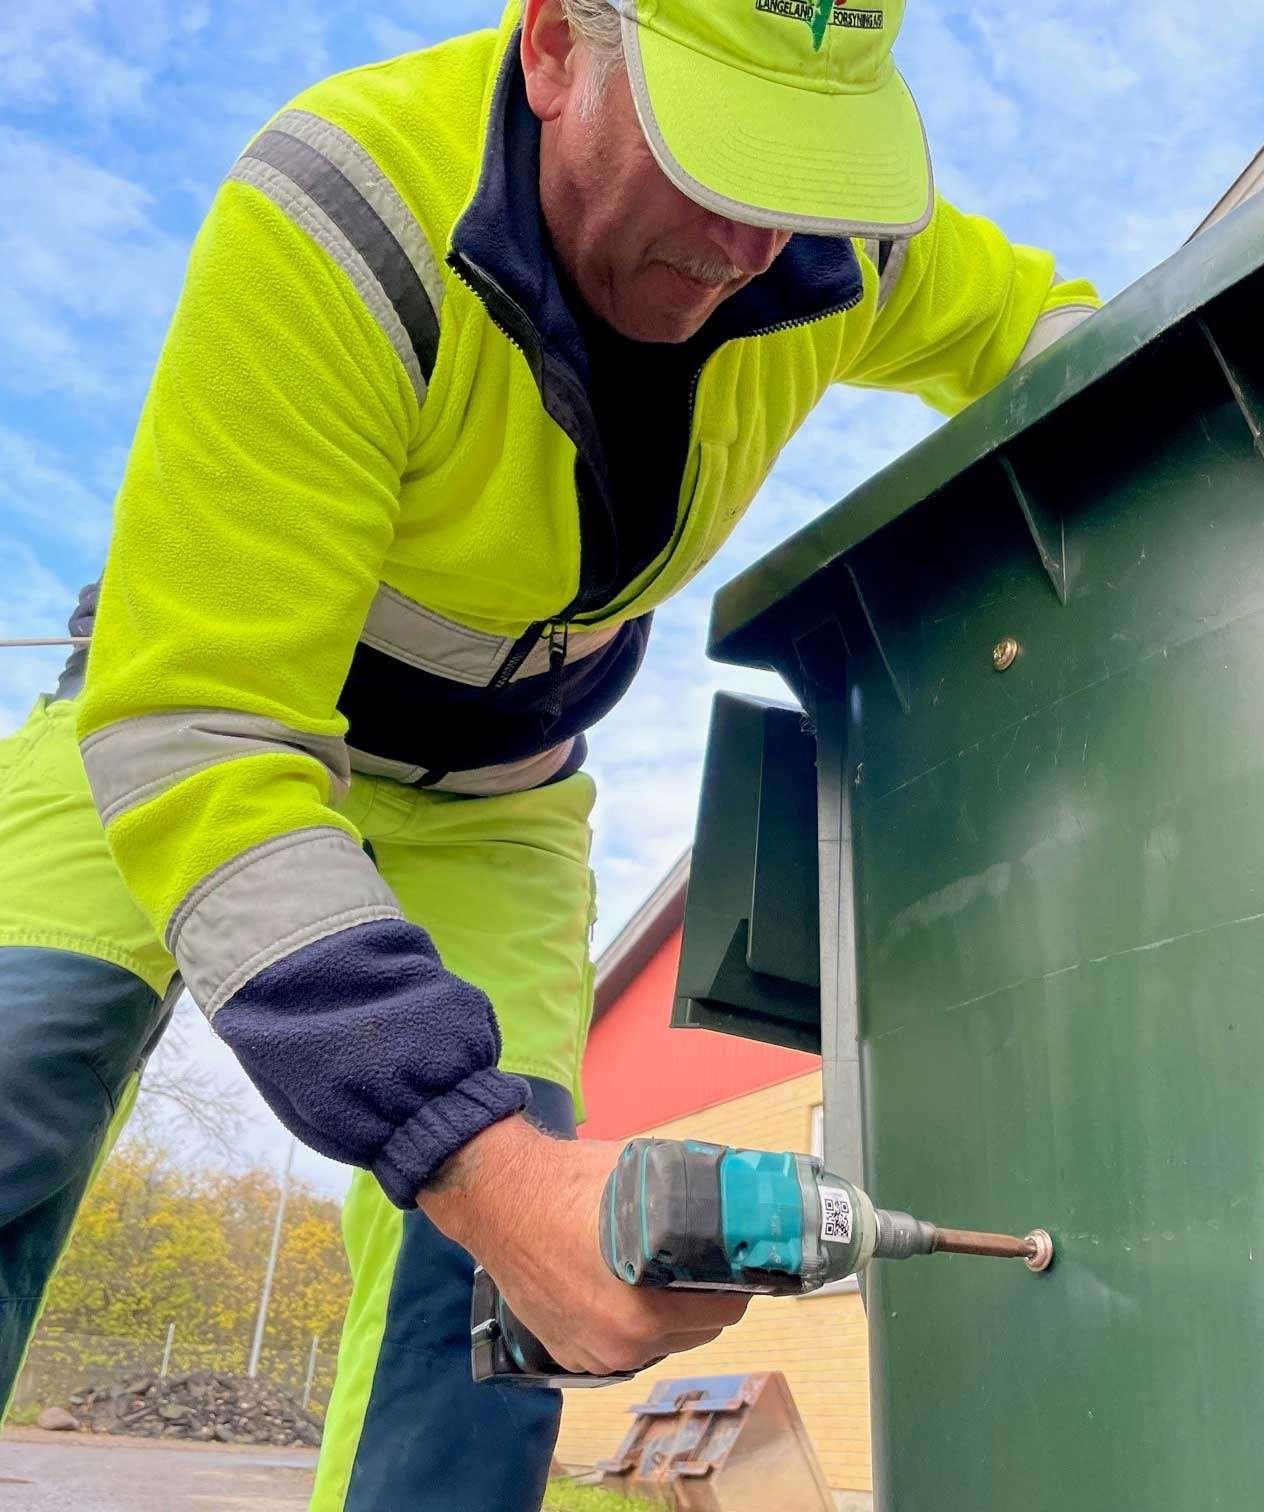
(819, 1342)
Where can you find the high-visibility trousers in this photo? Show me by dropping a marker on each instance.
(86, 987)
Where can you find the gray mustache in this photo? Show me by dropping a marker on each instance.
(708, 270)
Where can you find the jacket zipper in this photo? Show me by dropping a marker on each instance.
(559, 643)
(773, 330)
(783, 325)
(521, 648)
(518, 653)
(463, 272)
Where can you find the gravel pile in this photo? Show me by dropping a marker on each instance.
(201, 1404)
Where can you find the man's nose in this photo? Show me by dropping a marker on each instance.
(753, 249)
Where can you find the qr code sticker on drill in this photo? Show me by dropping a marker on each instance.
(835, 1215)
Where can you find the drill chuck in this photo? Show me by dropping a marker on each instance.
(900, 1235)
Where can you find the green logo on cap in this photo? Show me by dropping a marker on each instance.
(822, 13)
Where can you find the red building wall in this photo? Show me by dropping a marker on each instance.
(639, 1072)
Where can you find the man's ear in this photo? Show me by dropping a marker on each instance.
(548, 62)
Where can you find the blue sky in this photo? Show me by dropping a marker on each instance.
(1102, 132)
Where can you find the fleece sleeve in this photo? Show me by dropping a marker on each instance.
(958, 307)
(259, 500)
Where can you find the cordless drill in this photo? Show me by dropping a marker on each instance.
(688, 1215)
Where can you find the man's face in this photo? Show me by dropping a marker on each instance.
(646, 259)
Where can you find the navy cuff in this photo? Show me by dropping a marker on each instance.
(414, 1153)
(368, 1049)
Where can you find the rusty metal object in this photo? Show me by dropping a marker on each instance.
(720, 1444)
(1036, 1249)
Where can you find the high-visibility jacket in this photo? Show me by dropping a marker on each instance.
(368, 522)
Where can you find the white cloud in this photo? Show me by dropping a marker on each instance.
(43, 490)
(90, 280)
(436, 19)
(1078, 128)
(48, 52)
(647, 760)
(392, 38)
(108, 60)
(262, 1139)
(36, 602)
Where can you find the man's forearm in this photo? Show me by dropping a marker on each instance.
(373, 1053)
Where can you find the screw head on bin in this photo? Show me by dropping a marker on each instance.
(1041, 1257)
(1004, 653)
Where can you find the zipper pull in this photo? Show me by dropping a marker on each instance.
(559, 640)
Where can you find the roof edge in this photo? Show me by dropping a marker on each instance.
(627, 955)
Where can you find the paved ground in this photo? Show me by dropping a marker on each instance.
(78, 1472)
(74, 1472)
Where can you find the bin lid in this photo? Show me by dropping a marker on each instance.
(749, 613)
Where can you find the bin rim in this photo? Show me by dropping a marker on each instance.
(1180, 286)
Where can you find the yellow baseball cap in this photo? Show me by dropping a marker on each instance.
(782, 113)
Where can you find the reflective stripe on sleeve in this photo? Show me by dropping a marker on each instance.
(326, 183)
(268, 902)
(135, 760)
(889, 258)
(1051, 327)
(363, 173)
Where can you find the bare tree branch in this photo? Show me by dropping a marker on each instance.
(179, 1095)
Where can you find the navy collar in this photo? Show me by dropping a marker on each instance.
(501, 245)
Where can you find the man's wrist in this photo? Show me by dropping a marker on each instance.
(468, 1194)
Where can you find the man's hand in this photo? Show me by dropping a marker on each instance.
(526, 1206)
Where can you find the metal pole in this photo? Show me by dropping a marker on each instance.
(166, 1354)
(266, 1295)
(311, 1371)
(47, 640)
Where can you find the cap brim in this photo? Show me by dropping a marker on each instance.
(758, 151)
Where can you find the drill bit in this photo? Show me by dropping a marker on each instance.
(901, 1235)
(1036, 1249)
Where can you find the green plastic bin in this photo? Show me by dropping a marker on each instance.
(1030, 655)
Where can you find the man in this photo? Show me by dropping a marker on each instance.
(482, 353)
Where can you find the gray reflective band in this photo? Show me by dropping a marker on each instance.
(889, 258)
(363, 173)
(405, 630)
(477, 782)
(892, 267)
(1051, 327)
(363, 227)
(304, 212)
(269, 902)
(330, 187)
(135, 760)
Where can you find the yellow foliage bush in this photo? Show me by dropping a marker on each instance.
(157, 1243)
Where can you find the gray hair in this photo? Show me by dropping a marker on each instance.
(597, 24)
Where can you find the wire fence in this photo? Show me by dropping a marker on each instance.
(61, 1363)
